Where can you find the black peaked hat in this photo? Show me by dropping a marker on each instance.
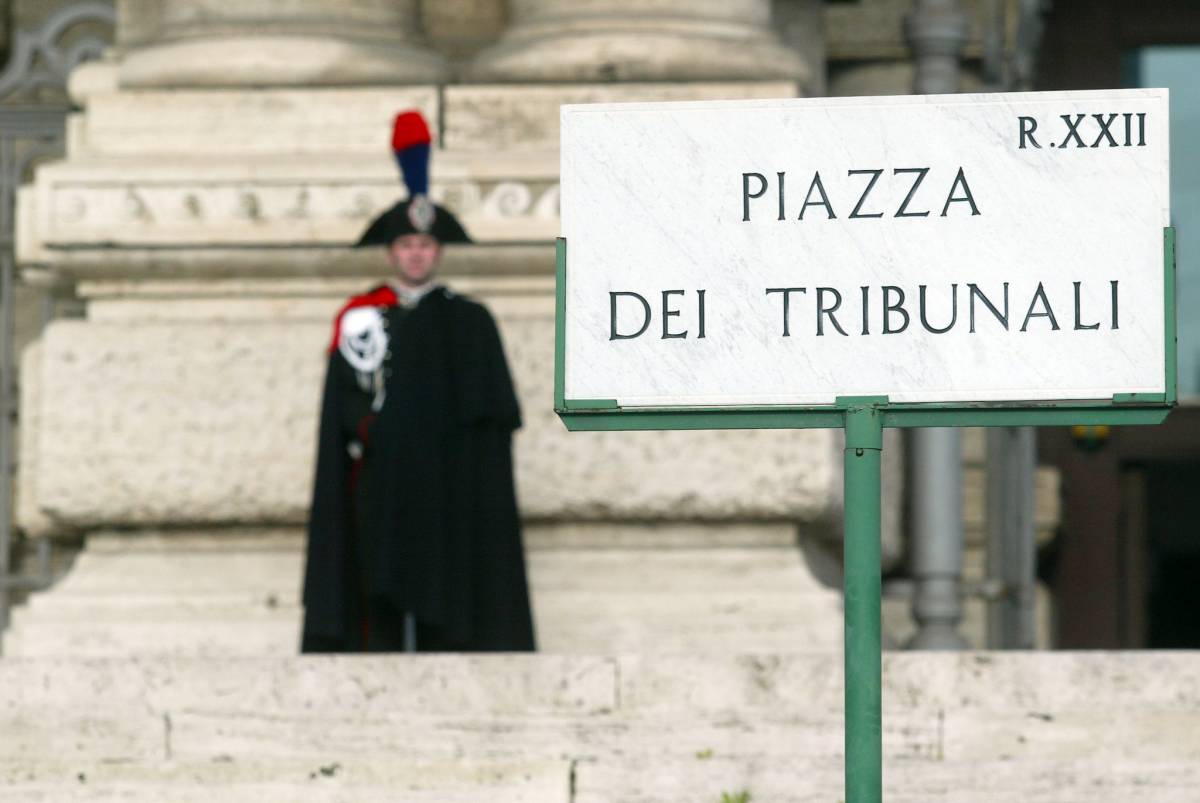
(397, 221)
(416, 214)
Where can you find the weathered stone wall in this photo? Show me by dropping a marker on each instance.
(203, 222)
(145, 419)
(203, 227)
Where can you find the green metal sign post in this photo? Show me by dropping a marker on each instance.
(864, 418)
(863, 647)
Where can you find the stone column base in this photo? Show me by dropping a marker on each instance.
(280, 61)
(617, 40)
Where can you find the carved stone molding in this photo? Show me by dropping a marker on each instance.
(76, 212)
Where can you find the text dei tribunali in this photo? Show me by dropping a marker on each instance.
(631, 314)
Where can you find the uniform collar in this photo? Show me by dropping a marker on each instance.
(411, 296)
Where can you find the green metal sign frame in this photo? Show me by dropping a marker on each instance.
(864, 419)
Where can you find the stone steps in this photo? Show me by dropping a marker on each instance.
(240, 596)
(594, 781)
(176, 571)
(549, 603)
(566, 622)
(783, 780)
(1039, 727)
(258, 781)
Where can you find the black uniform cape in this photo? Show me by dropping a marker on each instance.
(433, 498)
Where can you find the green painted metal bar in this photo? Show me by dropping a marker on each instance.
(1171, 333)
(625, 421)
(1050, 417)
(863, 647)
(633, 420)
(560, 323)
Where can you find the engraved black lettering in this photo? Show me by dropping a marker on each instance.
(889, 308)
(1128, 127)
(1078, 324)
(1040, 294)
(787, 295)
(1141, 129)
(747, 195)
(1113, 284)
(866, 330)
(1104, 130)
(668, 313)
(920, 171)
(875, 174)
(975, 291)
(822, 310)
(1028, 126)
(782, 214)
(612, 307)
(953, 311)
(1072, 130)
(819, 187)
(700, 304)
(960, 181)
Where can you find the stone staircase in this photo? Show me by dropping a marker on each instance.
(163, 669)
(213, 596)
(558, 728)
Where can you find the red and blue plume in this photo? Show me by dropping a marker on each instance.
(410, 141)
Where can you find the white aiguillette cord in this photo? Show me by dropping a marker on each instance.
(409, 296)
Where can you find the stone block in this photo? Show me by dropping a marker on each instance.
(308, 778)
(874, 29)
(347, 687)
(159, 423)
(1046, 727)
(176, 423)
(694, 570)
(566, 624)
(191, 595)
(892, 76)
(906, 779)
(29, 734)
(225, 122)
(461, 28)
(761, 537)
(516, 117)
(29, 516)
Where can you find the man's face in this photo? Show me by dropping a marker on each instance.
(415, 258)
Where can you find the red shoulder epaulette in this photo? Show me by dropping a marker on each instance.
(381, 296)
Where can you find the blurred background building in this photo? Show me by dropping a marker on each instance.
(179, 183)
(182, 178)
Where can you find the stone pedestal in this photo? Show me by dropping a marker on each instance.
(214, 43)
(212, 256)
(639, 40)
(213, 184)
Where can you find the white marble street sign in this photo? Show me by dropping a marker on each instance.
(959, 248)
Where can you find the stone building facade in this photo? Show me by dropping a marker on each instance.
(194, 239)
(222, 158)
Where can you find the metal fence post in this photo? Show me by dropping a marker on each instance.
(1011, 546)
(937, 31)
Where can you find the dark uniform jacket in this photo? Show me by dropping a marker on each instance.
(413, 506)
